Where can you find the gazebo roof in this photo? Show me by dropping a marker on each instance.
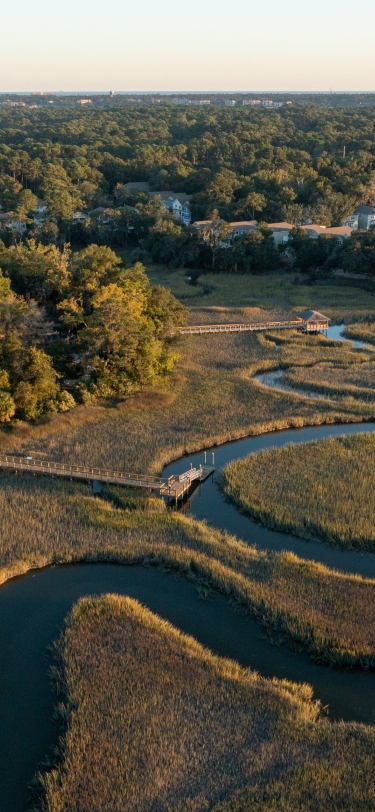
(311, 316)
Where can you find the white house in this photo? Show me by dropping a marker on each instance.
(40, 211)
(6, 218)
(352, 222)
(366, 216)
(178, 203)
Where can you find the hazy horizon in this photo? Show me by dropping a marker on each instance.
(152, 47)
(179, 92)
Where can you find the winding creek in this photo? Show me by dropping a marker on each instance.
(33, 607)
(275, 378)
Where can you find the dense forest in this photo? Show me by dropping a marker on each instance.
(320, 159)
(75, 323)
(78, 326)
(287, 164)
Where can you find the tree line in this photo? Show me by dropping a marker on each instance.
(241, 161)
(78, 326)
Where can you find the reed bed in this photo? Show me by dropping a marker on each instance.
(328, 614)
(308, 350)
(212, 399)
(153, 721)
(277, 292)
(320, 489)
(356, 380)
(362, 331)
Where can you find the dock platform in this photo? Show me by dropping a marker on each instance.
(173, 487)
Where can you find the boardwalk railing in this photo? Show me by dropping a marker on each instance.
(189, 476)
(239, 328)
(174, 485)
(81, 472)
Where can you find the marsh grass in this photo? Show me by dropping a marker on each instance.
(213, 398)
(356, 380)
(277, 292)
(156, 722)
(321, 489)
(362, 331)
(327, 614)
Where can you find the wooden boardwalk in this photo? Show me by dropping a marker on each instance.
(240, 328)
(173, 487)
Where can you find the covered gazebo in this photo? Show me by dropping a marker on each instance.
(312, 321)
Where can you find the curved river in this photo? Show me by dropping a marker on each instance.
(33, 607)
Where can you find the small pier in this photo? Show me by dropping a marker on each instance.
(174, 487)
(240, 328)
(309, 321)
(177, 487)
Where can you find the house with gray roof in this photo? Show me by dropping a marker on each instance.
(178, 203)
(363, 217)
(366, 216)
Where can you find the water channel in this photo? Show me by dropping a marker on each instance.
(275, 378)
(33, 607)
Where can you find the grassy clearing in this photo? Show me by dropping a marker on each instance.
(156, 722)
(330, 615)
(321, 489)
(279, 292)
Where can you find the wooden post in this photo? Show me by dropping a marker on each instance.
(213, 458)
(205, 457)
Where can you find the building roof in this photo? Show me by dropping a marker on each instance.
(131, 208)
(280, 226)
(182, 197)
(137, 186)
(341, 231)
(338, 231)
(312, 316)
(314, 227)
(365, 209)
(244, 223)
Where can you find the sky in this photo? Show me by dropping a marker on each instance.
(196, 45)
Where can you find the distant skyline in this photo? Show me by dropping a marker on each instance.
(155, 46)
